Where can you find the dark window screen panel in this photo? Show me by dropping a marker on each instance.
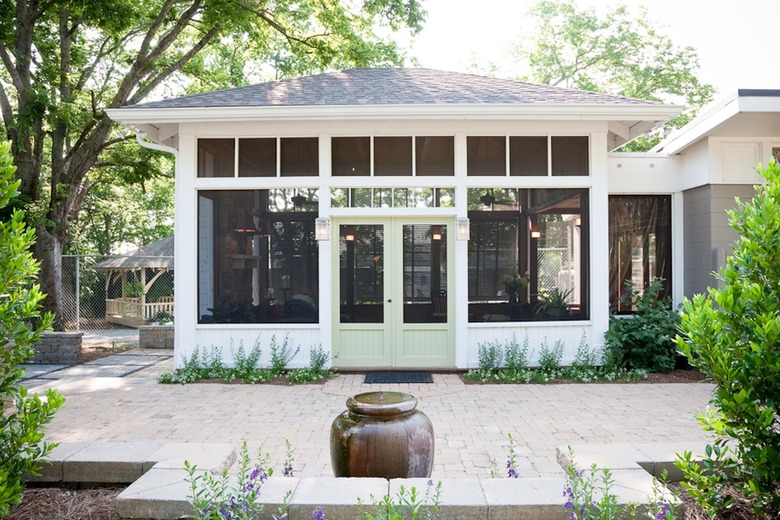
(570, 155)
(528, 156)
(255, 265)
(435, 156)
(350, 156)
(257, 157)
(300, 157)
(393, 156)
(640, 245)
(216, 157)
(486, 156)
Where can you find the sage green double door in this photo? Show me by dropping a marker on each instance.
(393, 296)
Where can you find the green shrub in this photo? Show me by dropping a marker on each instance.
(316, 370)
(281, 355)
(22, 416)
(645, 340)
(516, 356)
(550, 359)
(733, 336)
(489, 356)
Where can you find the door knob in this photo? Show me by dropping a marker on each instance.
(389, 300)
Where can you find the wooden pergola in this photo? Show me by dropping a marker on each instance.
(133, 309)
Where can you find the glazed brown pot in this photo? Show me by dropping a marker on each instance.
(381, 434)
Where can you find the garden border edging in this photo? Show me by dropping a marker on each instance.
(157, 490)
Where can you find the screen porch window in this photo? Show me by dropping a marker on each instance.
(257, 256)
(527, 156)
(259, 157)
(528, 254)
(640, 246)
(393, 156)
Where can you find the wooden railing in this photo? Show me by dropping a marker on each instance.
(133, 309)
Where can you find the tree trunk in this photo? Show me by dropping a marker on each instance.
(48, 250)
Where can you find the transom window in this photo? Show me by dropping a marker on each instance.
(393, 197)
(527, 156)
(259, 157)
(401, 156)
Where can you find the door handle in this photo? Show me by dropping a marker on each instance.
(389, 300)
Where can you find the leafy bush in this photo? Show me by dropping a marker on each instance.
(646, 339)
(550, 359)
(583, 368)
(281, 355)
(316, 370)
(207, 364)
(489, 356)
(408, 503)
(214, 498)
(515, 355)
(22, 416)
(589, 496)
(732, 336)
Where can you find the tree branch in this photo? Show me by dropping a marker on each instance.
(10, 67)
(139, 69)
(267, 17)
(177, 65)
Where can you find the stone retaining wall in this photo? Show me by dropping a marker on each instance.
(58, 348)
(155, 336)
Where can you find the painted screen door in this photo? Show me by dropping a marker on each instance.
(393, 294)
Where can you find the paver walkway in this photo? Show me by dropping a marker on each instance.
(471, 422)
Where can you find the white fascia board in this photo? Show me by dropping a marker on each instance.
(714, 116)
(655, 113)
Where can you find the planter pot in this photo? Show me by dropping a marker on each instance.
(381, 434)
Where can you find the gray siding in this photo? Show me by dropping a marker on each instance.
(707, 235)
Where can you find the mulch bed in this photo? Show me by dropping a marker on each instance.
(66, 504)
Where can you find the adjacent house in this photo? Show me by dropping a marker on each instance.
(401, 217)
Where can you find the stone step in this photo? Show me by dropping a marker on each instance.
(158, 488)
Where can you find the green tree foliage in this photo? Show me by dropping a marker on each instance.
(733, 336)
(645, 340)
(22, 416)
(621, 53)
(65, 61)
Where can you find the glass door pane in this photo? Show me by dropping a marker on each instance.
(425, 273)
(361, 273)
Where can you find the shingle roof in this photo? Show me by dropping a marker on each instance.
(391, 86)
(157, 255)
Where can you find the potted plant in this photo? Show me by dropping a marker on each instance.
(515, 287)
(554, 304)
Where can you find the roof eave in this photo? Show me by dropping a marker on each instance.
(717, 114)
(582, 112)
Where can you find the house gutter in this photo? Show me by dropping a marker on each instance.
(144, 141)
(138, 115)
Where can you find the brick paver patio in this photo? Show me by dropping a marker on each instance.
(471, 422)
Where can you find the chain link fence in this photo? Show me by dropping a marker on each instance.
(114, 292)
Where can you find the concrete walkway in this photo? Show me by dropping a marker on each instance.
(471, 422)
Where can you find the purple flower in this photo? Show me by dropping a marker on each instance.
(662, 513)
(511, 473)
(318, 514)
(288, 471)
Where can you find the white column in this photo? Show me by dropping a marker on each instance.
(326, 249)
(461, 271)
(185, 251)
(599, 239)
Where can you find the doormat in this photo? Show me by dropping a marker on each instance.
(373, 378)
